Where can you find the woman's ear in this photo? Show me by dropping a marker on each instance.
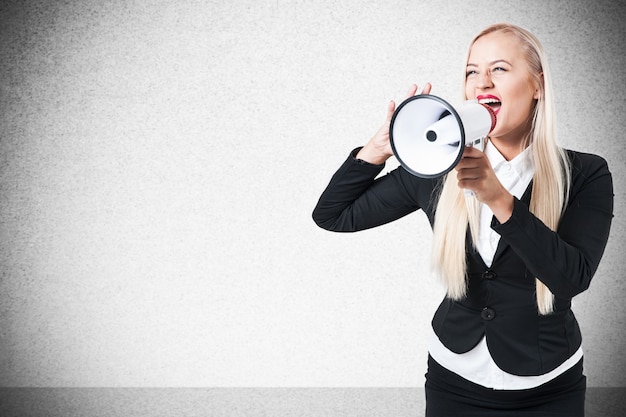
(539, 88)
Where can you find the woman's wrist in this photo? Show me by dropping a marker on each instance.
(502, 208)
(371, 155)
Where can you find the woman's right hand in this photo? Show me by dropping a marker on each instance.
(378, 149)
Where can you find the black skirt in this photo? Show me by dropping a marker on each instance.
(449, 395)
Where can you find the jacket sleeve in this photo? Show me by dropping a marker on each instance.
(566, 261)
(356, 200)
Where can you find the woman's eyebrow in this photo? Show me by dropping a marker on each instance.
(469, 64)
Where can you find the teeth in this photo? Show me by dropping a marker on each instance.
(488, 101)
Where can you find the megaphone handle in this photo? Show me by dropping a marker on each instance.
(480, 145)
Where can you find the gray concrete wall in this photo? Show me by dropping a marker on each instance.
(245, 402)
(160, 161)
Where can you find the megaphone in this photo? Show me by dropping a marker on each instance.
(428, 135)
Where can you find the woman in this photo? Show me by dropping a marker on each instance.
(504, 341)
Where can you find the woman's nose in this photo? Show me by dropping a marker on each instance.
(484, 80)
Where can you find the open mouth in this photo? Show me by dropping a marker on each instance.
(491, 101)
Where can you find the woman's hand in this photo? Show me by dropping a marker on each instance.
(378, 149)
(474, 172)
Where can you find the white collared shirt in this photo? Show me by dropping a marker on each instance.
(477, 365)
(515, 176)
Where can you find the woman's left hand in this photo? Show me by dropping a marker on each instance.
(474, 172)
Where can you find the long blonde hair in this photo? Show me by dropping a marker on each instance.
(455, 212)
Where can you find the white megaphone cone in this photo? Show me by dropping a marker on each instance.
(428, 135)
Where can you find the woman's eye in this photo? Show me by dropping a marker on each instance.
(470, 73)
(498, 69)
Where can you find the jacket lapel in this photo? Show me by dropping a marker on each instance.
(502, 245)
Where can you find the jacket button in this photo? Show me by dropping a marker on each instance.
(487, 314)
(489, 274)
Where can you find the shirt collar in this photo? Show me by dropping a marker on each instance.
(522, 163)
(514, 175)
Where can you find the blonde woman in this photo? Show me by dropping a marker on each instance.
(504, 340)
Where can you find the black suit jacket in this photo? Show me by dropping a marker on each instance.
(501, 300)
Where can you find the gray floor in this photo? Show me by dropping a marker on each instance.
(235, 402)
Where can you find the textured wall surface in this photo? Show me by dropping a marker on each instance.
(160, 160)
(245, 402)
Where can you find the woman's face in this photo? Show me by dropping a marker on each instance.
(498, 75)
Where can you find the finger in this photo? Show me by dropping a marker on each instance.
(468, 179)
(471, 152)
(427, 88)
(469, 163)
(391, 107)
